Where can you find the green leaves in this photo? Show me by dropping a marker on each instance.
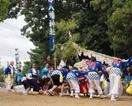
(101, 25)
(120, 27)
(4, 4)
(67, 52)
(65, 29)
(65, 36)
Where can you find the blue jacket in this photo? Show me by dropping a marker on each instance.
(94, 66)
(19, 76)
(119, 64)
(64, 72)
(79, 73)
(7, 71)
(75, 74)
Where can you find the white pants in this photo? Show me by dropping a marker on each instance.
(19, 88)
(114, 84)
(106, 85)
(74, 85)
(95, 83)
(8, 82)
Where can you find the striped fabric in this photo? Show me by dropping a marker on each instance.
(116, 71)
(93, 75)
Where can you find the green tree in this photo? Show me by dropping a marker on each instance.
(4, 5)
(93, 27)
(1, 74)
(35, 12)
(66, 34)
(26, 67)
(100, 25)
(120, 28)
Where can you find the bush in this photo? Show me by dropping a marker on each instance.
(1, 71)
(1, 75)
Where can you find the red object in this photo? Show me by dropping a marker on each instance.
(84, 86)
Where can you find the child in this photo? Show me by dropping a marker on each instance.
(19, 77)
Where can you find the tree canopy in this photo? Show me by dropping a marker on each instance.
(4, 5)
(101, 25)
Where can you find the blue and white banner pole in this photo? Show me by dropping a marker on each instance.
(51, 16)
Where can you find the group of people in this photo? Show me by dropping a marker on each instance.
(93, 78)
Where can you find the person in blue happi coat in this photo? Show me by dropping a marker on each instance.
(73, 80)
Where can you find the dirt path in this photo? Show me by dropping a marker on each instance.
(14, 99)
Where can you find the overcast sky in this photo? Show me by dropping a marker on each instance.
(11, 38)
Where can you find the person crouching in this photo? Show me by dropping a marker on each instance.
(73, 81)
(57, 80)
